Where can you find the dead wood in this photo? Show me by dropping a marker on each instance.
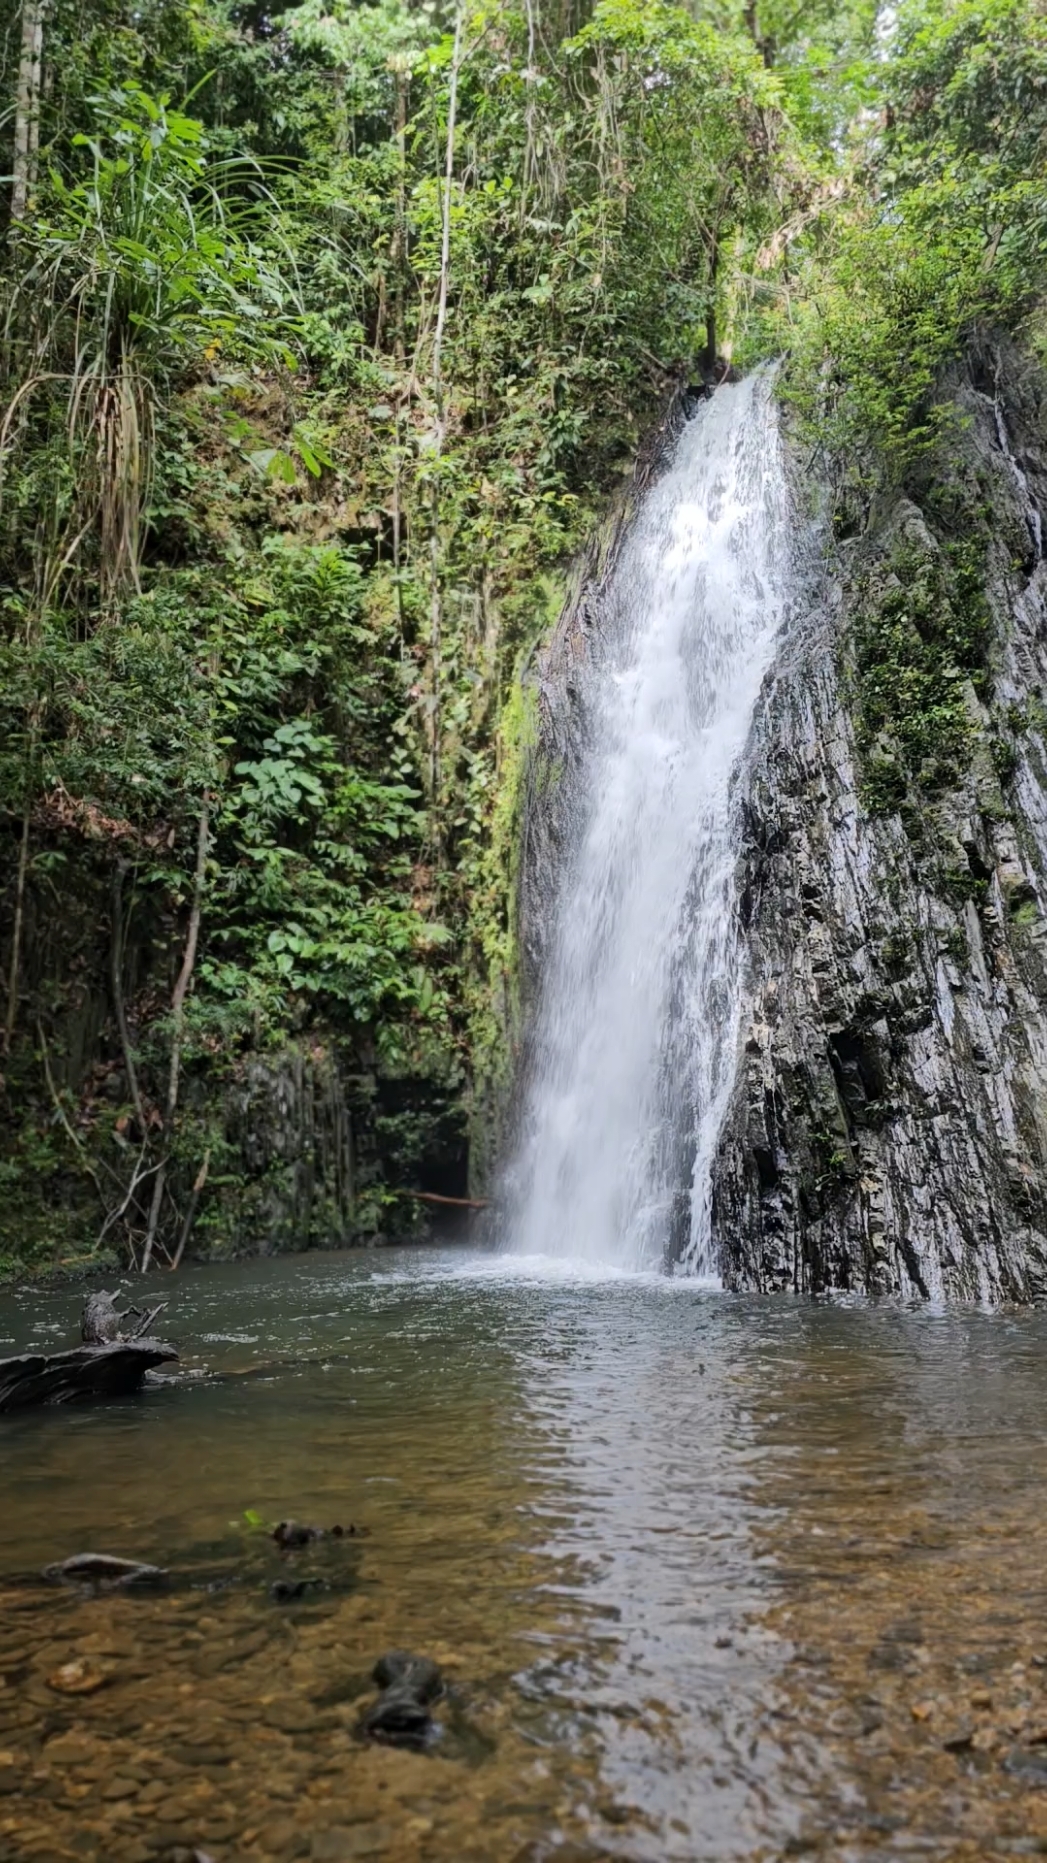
(88, 1371)
(101, 1322)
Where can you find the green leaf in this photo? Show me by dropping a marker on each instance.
(270, 462)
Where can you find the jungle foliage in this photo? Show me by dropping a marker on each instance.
(327, 334)
(937, 228)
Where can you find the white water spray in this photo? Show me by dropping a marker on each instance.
(635, 1037)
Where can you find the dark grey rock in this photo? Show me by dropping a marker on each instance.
(398, 1714)
(292, 1533)
(398, 1669)
(291, 1590)
(409, 1685)
(1028, 1764)
(886, 1131)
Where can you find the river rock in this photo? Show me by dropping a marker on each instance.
(409, 1685)
(1030, 1766)
(292, 1533)
(290, 1590)
(105, 1572)
(77, 1678)
(398, 1669)
(398, 1715)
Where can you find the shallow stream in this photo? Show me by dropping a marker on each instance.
(709, 1577)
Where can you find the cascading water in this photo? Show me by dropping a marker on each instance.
(633, 1047)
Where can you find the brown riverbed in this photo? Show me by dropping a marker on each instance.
(709, 1578)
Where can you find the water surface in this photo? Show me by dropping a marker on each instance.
(710, 1577)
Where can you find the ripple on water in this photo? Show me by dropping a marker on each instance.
(709, 1577)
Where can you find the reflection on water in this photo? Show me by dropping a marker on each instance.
(710, 1578)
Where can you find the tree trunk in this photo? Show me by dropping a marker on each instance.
(178, 1024)
(16, 931)
(764, 42)
(402, 71)
(530, 81)
(27, 108)
(86, 1372)
(201, 1179)
(709, 359)
(436, 594)
(117, 956)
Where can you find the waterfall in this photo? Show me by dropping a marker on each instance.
(633, 1047)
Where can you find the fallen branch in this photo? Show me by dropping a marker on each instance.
(178, 1022)
(102, 1323)
(457, 1203)
(63, 1115)
(117, 955)
(145, 1320)
(138, 1176)
(201, 1179)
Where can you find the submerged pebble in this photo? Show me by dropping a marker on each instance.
(291, 1533)
(289, 1590)
(77, 1678)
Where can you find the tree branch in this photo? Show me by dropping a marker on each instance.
(27, 108)
(178, 1021)
(117, 955)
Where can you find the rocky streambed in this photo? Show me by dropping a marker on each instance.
(703, 1575)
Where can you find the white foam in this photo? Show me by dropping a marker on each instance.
(635, 1039)
(541, 1270)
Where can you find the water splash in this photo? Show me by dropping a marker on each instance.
(636, 1029)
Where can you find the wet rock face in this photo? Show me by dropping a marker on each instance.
(562, 724)
(888, 1129)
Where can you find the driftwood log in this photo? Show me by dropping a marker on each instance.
(112, 1362)
(101, 1323)
(75, 1377)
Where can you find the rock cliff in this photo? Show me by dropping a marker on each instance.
(888, 1128)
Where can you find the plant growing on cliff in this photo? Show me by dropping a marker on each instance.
(940, 226)
(920, 642)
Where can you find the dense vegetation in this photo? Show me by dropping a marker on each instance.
(327, 337)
